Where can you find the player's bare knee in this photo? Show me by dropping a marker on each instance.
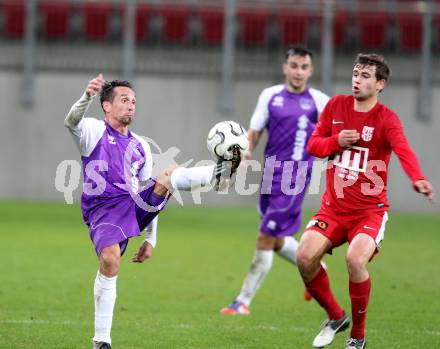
(163, 184)
(164, 179)
(306, 260)
(109, 263)
(265, 242)
(356, 264)
(279, 243)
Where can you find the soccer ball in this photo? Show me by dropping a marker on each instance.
(225, 138)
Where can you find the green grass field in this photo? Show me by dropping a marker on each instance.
(48, 265)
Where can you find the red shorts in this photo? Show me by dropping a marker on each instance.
(339, 229)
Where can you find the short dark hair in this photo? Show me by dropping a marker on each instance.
(383, 72)
(107, 92)
(297, 50)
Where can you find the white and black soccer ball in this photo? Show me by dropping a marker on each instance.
(224, 136)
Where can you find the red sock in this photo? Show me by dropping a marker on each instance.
(359, 294)
(319, 288)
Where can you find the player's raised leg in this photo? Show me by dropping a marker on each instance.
(312, 248)
(105, 295)
(359, 253)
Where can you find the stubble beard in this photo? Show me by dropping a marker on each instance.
(125, 120)
(295, 87)
(361, 97)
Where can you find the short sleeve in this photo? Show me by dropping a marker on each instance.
(320, 99)
(260, 117)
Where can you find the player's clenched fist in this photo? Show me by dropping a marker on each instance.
(95, 85)
(348, 137)
(145, 252)
(425, 187)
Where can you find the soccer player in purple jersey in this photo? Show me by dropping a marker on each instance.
(289, 113)
(120, 198)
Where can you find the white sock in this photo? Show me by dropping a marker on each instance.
(288, 251)
(184, 178)
(105, 297)
(260, 266)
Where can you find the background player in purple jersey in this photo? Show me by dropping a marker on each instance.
(120, 199)
(289, 112)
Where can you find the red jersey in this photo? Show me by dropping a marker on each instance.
(357, 176)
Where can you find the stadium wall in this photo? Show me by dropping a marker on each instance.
(174, 111)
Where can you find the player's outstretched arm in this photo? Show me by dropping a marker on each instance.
(400, 145)
(79, 109)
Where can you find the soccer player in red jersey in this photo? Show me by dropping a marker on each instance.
(357, 133)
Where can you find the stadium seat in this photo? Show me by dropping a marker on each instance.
(410, 26)
(341, 21)
(293, 25)
(97, 19)
(14, 17)
(175, 19)
(143, 15)
(253, 24)
(437, 28)
(372, 28)
(409, 23)
(55, 15)
(212, 22)
(340, 28)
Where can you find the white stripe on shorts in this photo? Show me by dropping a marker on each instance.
(380, 236)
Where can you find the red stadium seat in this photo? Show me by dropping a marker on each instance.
(253, 25)
(410, 26)
(293, 25)
(340, 28)
(14, 17)
(143, 15)
(97, 18)
(341, 22)
(55, 15)
(409, 23)
(372, 29)
(175, 20)
(437, 26)
(212, 23)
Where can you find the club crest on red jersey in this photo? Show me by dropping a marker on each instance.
(367, 133)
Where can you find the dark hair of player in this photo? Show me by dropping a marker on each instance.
(107, 92)
(383, 72)
(297, 50)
